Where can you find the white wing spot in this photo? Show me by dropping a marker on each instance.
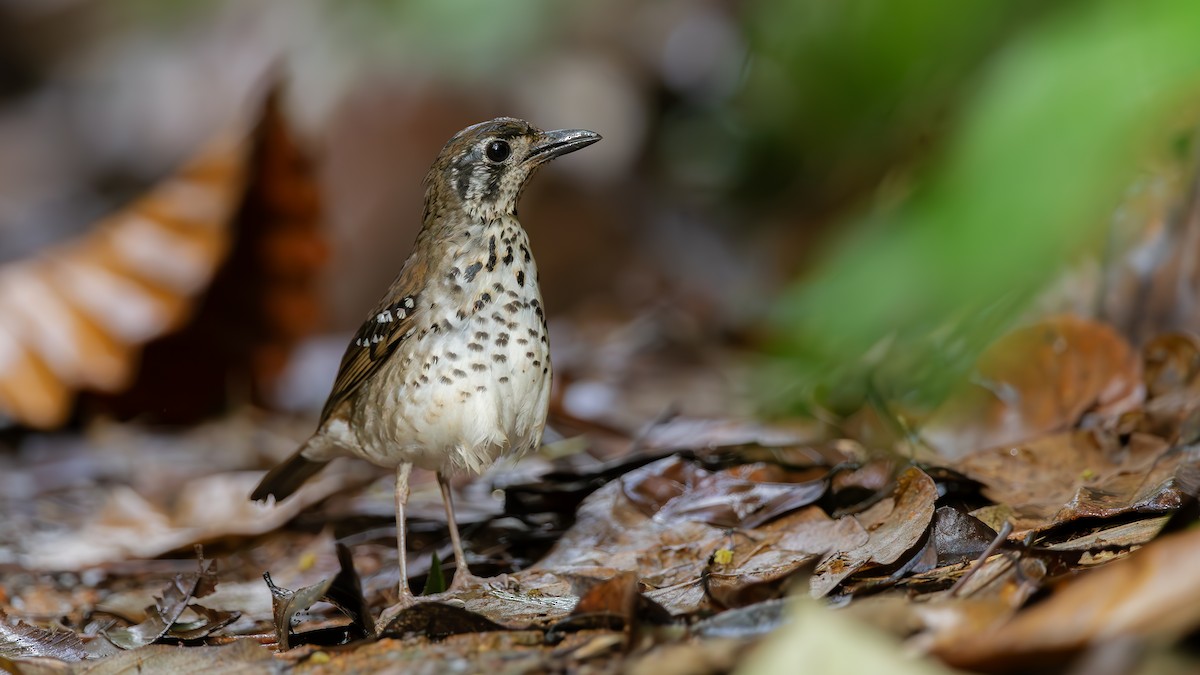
(408, 302)
(384, 317)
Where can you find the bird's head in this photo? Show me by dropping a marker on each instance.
(483, 168)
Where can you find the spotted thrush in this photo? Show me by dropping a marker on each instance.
(451, 369)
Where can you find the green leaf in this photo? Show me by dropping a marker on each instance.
(436, 581)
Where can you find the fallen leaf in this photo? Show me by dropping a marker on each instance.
(1037, 380)
(1065, 477)
(20, 641)
(240, 656)
(894, 529)
(826, 641)
(127, 526)
(764, 561)
(436, 620)
(959, 537)
(343, 590)
(168, 608)
(744, 496)
(1147, 595)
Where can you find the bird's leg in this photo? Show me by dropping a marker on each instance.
(462, 575)
(407, 599)
(402, 473)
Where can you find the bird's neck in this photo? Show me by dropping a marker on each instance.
(453, 234)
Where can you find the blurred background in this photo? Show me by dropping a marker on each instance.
(860, 194)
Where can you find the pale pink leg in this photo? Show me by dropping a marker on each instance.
(402, 474)
(462, 575)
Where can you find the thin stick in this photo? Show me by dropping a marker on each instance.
(1001, 536)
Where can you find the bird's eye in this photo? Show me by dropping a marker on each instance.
(498, 151)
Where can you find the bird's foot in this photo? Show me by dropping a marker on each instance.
(464, 580)
(406, 600)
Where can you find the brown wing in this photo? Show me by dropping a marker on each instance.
(388, 325)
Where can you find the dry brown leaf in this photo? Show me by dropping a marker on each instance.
(1063, 477)
(1038, 380)
(210, 277)
(1172, 363)
(262, 301)
(763, 558)
(895, 526)
(1151, 595)
(743, 496)
(670, 554)
(76, 315)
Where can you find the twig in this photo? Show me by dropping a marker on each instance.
(1001, 536)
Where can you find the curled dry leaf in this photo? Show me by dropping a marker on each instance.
(76, 315)
(263, 299)
(895, 526)
(1146, 595)
(343, 590)
(166, 610)
(1038, 380)
(615, 603)
(210, 277)
(671, 549)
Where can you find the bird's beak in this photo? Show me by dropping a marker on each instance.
(560, 142)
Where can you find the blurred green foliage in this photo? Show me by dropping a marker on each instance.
(839, 93)
(1060, 109)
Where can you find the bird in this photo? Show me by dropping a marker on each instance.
(451, 368)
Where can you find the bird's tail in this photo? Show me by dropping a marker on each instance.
(286, 478)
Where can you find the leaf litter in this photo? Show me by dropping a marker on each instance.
(1041, 511)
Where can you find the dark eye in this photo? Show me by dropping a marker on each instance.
(498, 151)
